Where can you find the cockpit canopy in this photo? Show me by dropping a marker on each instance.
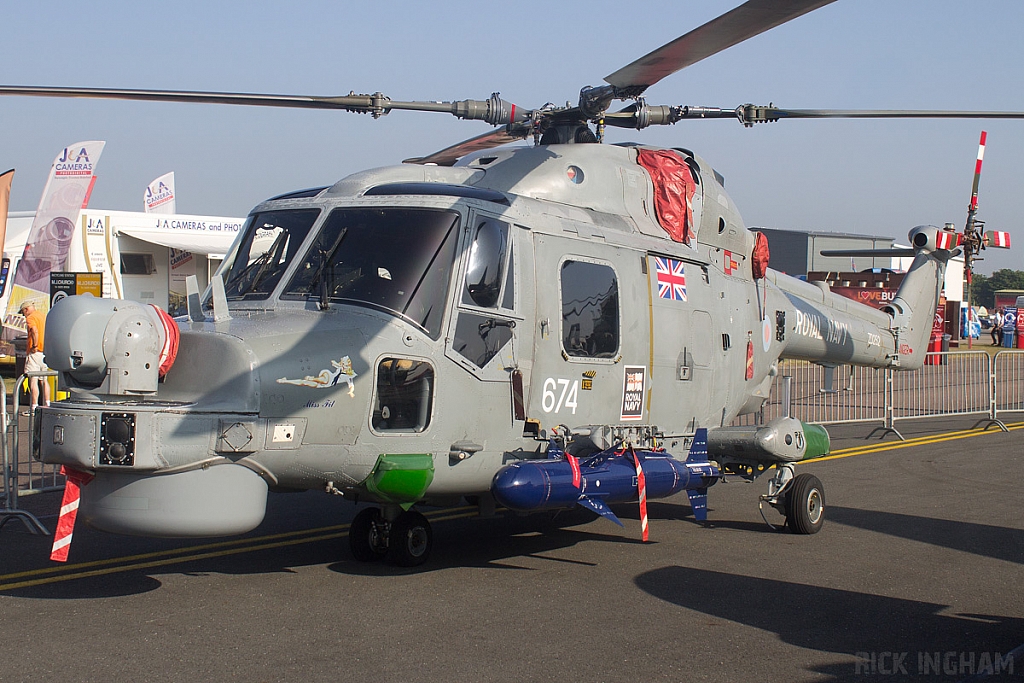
(393, 259)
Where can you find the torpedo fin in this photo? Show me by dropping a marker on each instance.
(699, 503)
(699, 454)
(699, 447)
(597, 505)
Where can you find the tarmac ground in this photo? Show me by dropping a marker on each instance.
(916, 576)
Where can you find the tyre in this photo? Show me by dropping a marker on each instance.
(410, 540)
(366, 537)
(805, 505)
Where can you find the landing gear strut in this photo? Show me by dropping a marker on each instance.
(403, 536)
(800, 498)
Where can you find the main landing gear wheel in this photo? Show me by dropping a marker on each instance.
(367, 537)
(805, 505)
(410, 540)
(405, 539)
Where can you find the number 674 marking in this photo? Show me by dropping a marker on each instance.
(567, 397)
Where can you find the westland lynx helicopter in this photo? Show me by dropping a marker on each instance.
(532, 327)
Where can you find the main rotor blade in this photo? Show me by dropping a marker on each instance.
(773, 113)
(494, 110)
(252, 99)
(868, 252)
(449, 155)
(746, 21)
(641, 116)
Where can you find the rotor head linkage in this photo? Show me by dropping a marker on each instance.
(595, 101)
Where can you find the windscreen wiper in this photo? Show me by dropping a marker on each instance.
(324, 282)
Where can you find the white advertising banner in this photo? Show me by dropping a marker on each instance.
(5, 201)
(159, 196)
(53, 227)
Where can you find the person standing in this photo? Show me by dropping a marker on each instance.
(35, 323)
(997, 327)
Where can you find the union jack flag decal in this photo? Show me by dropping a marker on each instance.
(671, 278)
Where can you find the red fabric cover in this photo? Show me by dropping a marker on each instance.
(759, 262)
(171, 334)
(673, 191)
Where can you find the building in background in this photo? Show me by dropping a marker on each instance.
(797, 252)
(144, 257)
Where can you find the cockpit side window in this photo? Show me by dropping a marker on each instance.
(485, 271)
(264, 252)
(480, 335)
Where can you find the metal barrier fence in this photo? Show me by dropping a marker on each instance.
(1008, 382)
(954, 383)
(22, 475)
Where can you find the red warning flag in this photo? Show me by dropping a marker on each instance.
(68, 512)
(574, 463)
(641, 484)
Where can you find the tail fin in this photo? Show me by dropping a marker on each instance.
(910, 314)
(913, 308)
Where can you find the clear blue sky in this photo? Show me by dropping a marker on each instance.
(870, 177)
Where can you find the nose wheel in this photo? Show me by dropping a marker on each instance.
(406, 539)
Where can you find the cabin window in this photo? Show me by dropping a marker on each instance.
(395, 260)
(404, 397)
(137, 264)
(486, 271)
(266, 248)
(590, 310)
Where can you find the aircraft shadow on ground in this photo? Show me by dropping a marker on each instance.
(472, 542)
(492, 542)
(997, 542)
(834, 620)
(499, 543)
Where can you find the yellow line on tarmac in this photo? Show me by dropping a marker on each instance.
(919, 441)
(180, 555)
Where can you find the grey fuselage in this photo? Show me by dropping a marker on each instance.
(309, 396)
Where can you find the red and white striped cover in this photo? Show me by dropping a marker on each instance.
(947, 240)
(68, 513)
(641, 483)
(996, 238)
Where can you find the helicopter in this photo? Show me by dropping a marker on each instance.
(535, 327)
